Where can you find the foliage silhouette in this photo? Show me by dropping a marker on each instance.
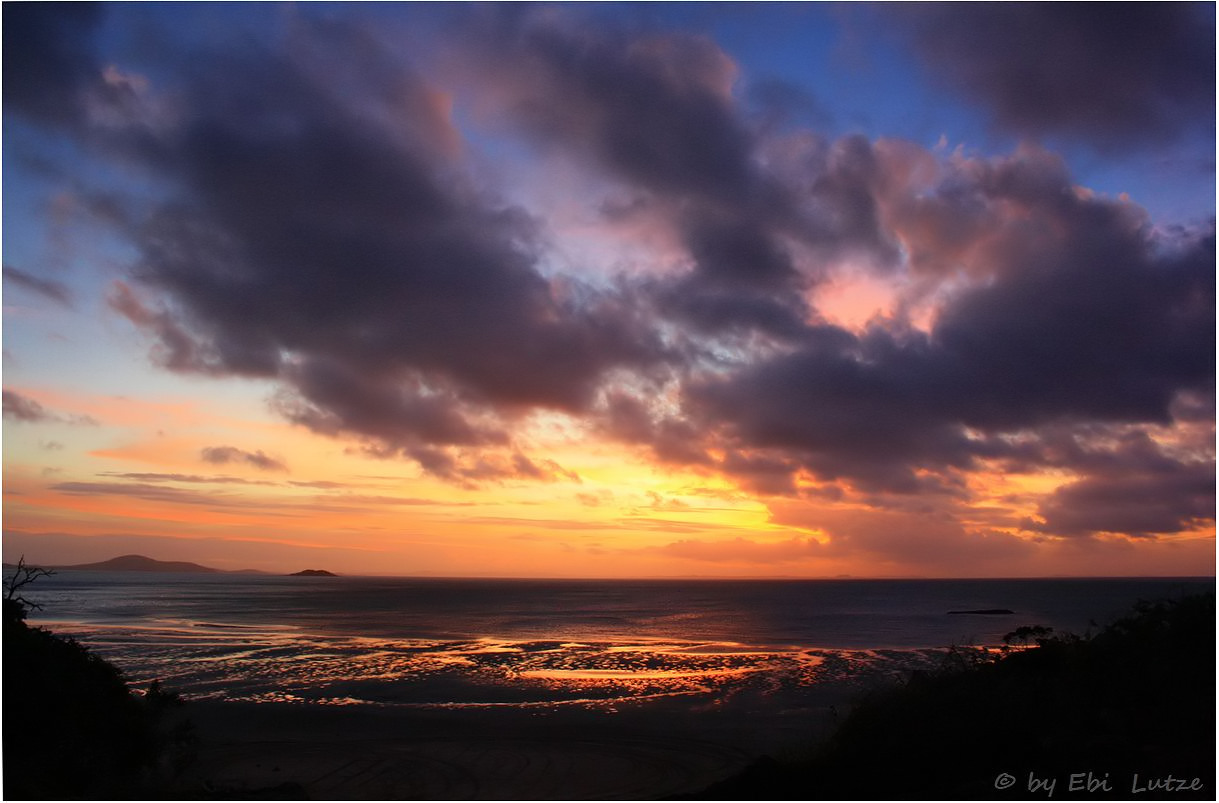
(15, 604)
(72, 728)
(1038, 633)
(1137, 697)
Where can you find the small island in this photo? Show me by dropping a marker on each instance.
(313, 573)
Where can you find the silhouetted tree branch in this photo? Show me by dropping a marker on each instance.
(15, 604)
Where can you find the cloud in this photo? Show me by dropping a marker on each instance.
(175, 348)
(50, 61)
(655, 109)
(144, 491)
(21, 408)
(221, 455)
(470, 468)
(219, 479)
(323, 237)
(326, 485)
(1080, 313)
(326, 227)
(1135, 504)
(1112, 75)
(657, 113)
(47, 288)
(923, 539)
(742, 550)
(1134, 488)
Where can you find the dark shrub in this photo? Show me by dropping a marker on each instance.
(72, 728)
(1138, 697)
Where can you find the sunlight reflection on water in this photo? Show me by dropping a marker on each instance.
(748, 645)
(281, 665)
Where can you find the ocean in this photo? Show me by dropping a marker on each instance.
(468, 643)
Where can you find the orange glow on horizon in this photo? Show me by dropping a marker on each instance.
(616, 513)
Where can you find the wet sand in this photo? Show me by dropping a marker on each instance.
(640, 751)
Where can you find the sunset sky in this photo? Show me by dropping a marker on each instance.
(610, 290)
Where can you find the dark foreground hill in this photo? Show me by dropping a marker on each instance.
(1126, 713)
(72, 728)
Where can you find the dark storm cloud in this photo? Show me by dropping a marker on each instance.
(837, 186)
(1134, 488)
(654, 109)
(658, 112)
(47, 288)
(332, 397)
(1085, 315)
(840, 414)
(472, 468)
(221, 455)
(1109, 73)
(672, 438)
(322, 234)
(1065, 310)
(716, 310)
(49, 60)
(731, 250)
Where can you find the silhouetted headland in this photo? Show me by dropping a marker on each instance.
(313, 573)
(140, 563)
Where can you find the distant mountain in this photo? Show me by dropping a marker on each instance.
(139, 563)
(313, 573)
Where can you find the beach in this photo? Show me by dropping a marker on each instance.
(367, 688)
(646, 750)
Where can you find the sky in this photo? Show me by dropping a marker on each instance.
(611, 290)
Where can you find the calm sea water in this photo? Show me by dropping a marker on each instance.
(453, 642)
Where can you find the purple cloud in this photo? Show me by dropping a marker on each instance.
(21, 408)
(47, 288)
(222, 455)
(1113, 74)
